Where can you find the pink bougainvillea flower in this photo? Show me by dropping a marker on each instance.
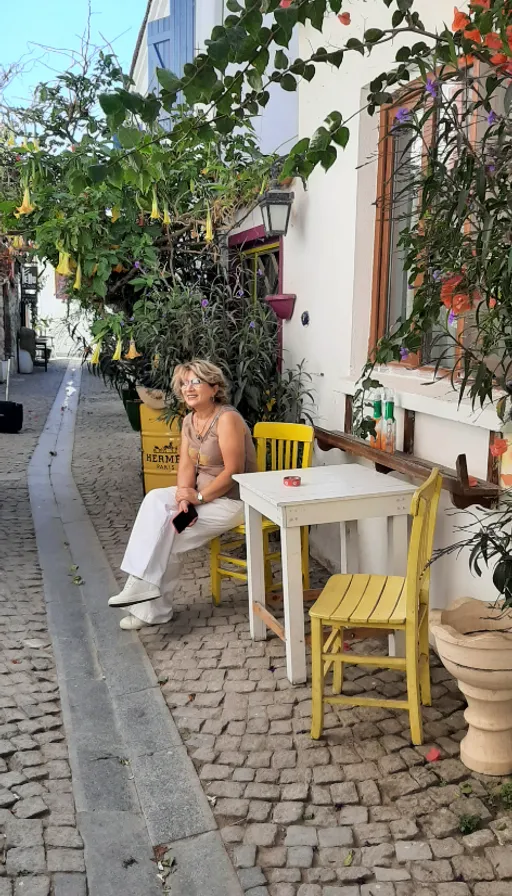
(285, 3)
(499, 447)
(472, 481)
(344, 18)
(492, 303)
(433, 755)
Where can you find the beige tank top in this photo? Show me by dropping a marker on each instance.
(207, 456)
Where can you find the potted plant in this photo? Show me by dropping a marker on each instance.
(474, 641)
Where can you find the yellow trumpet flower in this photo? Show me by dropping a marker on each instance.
(18, 242)
(26, 206)
(155, 214)
(132, 352)
(156, 361)
(78, 278)
(95, 359)
(116, 214)
(10, 140)
(117, 353)
(209, 226)
(167, 217)
(63, 265)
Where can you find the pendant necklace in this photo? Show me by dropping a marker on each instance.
(202, 434)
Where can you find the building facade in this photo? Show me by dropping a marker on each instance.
(333, 259)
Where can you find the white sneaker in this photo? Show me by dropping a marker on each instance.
(135, 591)
(131, 623)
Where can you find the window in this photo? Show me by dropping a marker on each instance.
(260, 270)
(402, 157)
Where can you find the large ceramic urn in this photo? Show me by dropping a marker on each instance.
(474, 642)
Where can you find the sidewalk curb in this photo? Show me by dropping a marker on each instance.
(134, 785)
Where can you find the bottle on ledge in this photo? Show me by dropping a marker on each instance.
(376, 440)
(389, 424)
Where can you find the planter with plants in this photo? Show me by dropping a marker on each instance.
(474, 641)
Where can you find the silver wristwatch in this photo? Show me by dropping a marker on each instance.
(200, 498)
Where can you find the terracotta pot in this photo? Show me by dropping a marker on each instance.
(474, 642)
(154, 398)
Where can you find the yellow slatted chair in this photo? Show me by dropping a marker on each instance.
(278, 447)
(382, 602)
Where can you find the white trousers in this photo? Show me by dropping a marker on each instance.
(154, 549)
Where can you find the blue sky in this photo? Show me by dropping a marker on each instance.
(28, 26)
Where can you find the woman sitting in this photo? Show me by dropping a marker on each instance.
(216, 443)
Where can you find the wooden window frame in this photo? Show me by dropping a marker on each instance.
(383, 225)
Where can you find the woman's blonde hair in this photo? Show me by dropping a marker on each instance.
(205, 371)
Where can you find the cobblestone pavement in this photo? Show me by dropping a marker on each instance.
(41, 850)
(360, 812)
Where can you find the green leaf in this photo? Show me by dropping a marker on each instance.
(168, 80)
(254, 79)
(288, 82)
(341, 136)
(373, 35)
(98, 173)
(233, 6)
(281, 59)
(403, 54)
(150, 110)
(303, 146)
(328, 157)
(129, 137)
(336, 58)
(111, 103)
(355, 44)
(309, 72)
(397, 18)
(320, 139)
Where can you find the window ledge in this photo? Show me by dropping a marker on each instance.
(415, 392)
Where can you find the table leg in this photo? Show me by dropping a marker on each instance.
(255, 570)
(293, 605)
(397, 553)
(349, 543)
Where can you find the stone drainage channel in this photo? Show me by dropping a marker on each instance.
(136, 791)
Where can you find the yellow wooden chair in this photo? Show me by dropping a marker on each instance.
(278, 447)
(382, 602)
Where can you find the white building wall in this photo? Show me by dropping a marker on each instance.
(55, 312)
(328, 261)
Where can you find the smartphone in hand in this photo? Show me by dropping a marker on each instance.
(182, 520)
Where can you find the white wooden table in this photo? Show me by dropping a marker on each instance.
(342, 494)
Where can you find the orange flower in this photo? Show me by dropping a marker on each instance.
(468, 60)
(460, 20)
(472, 481)
(474, 35)
(493, 41)
(448, 288)
(492, 303)
(483, 4)
(344, 18)
(498, 59)
(461, 302)
(499, 447)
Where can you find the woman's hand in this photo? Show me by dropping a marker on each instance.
(189, 495)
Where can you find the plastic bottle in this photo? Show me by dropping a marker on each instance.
(388, 440)
(376, 440)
